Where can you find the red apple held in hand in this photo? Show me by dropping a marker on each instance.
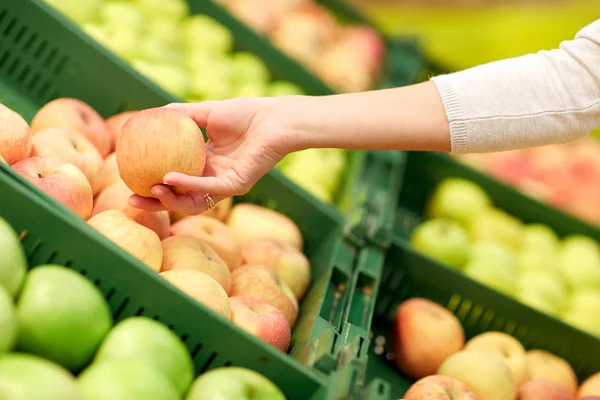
(214, 233)
(15, 136)
(114, 125)
(71, 147)
(109, 172)
(539, 389)
(262, 320)
(155, 142)
(437, 387)
(590, 387)
(261, 282)
(546, 366)
(76, 115)
(291, 265)
(61, 180)
(116, 197)
(419, 347)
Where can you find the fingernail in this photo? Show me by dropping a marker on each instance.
(155, 190)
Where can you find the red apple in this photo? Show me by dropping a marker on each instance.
(332, 67)
(590, 387)
(539, 389)
(155, 142)
(437, 387)
(418, 346)
(114, 125)
(15, 136)
(262, 320)
(546, 366)
(261, 282)
(76, 115)
(61, 180)
(109, 173)
(368, 45)
(72, 147)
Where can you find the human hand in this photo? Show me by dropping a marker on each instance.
(246, 139)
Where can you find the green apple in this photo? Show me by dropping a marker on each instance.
(316, 165)
(246, 67)
(539, 236)
(458, 199)
(123, 42)
(546, 285)
(200, 32)
(250, 89)
(310, 185)
(28, 377)
(97, 32)
(496, 225)
(494, 274)
(579, 262)
(211, 84)
(583, 311)
(443, 240)
(165, 30)
(155, 50)
(173, 79)
(491, 250)
(233, 383)
(532, 258)
(8, 322)
(149, 341)
(580, 246)
(173, 9)
(538, 302)
(62, 316)
(280, 88)
(125, 379)
(13, 264)
(122, 15)
(77, 10)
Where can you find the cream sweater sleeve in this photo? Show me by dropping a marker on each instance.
(545, 98)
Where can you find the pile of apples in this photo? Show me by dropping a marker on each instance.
(560, 277)
(190, 56)
(245, 262)
(429, 346)
(61, 344)
(350, 58)
(564, 176)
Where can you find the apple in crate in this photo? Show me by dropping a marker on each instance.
(233, 383)
(27, 377)
(172, 9)
(139, 241)
(539, 389)
(8, 322)
(61, 180)
(437, 387)
(116, 197)
(200, 287)
(443, 240)
(418, 346)
(262, 320)
(491, 272)
(114, 125)
(15, 136)
(458, 199)
(200, 32)
(579, 262)
(497, 225)
(545, 285)
(155, 142)
(72, 147)
(262, 282)
(583, 311)
(291, 265)
(214, 233)
(590, 387)
(540, 236)
(68, 113)
(246, 67)
(543, 365)
(219, 212)
(76, 10)
(109, 172)
(250, 221)
(186, 252)
(13, 263)
(146, 340)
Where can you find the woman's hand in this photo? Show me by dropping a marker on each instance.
(246, 139)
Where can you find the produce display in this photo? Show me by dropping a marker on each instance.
(308, 32)
(429, 346)
(558, 276)
(59, 344)
(564, 176)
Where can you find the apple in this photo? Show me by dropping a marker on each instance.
(280, 88)
(65, 326)
(121, 13)
(125, 379)
(537, 258)
(539, 389)
(250, 89)
(246, 67)
(590, 387)
(8, 322)
(173, 9)
(494, 274)
(60, 180)
(165, 29)
(219, 212)
(436, 387)
(544, 284)
(262, 320)
(497, 225)
(583, 311)
(332, 68)
(539, 235)
(146, 340)
(13, 263)
(72, 147)
(579, 262)
(211, 85)
(214, 233)
(492, 250)
(123, 41)
(233, 383)
(27, 377)
(96, 32)
(505, 346)
(443, 240)
(250, 221)
(200, 32)
(418, 346)
(187, 252)
(114, 125)
(291, 265)
(116, 197)
(200, 287)
(68, 113)
(109, 172)
(261, 282)
(486, 374)
(171, 78)
(154, 142)
(257, 14)
(137, 240)
(546, 366)
(458, 199)
(368, 47)
(76, 10)
(15, 136)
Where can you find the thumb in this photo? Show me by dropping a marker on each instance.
(199, 112)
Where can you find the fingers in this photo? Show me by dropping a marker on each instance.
(199, 112)
(205, 184)
(146, 203)
(191, 203)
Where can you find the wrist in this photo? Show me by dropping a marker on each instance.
(290, 114)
